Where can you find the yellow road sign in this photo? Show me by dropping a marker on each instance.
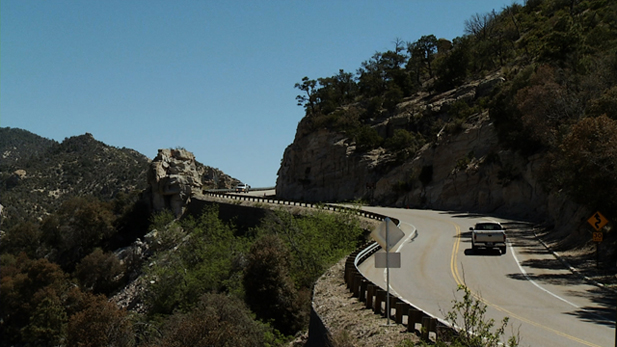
(597, 221)
(597, 236)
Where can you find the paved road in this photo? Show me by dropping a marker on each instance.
(546, 303)
(256, 193)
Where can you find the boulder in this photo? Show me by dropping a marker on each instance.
(173, 179)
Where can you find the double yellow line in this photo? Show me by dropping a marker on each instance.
(459, 281)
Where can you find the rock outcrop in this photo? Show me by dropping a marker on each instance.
(175, 176)
(462, 170)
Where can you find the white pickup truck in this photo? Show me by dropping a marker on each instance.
(242, 188)
(488, 235)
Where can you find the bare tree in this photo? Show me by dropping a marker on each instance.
(481, 25)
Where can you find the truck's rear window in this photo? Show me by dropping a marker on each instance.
(488, 226)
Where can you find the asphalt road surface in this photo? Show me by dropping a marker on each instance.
(546, 304)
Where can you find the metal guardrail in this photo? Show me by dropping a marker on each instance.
(361, 287)
(230, 190)
(327, 207)
(374, 296)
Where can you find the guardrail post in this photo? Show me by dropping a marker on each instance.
(429, 324)
(349, 267)
(402, 309)
(426, 321)
(379, 298)
(357, 279)
(363, 290)
(413, 317)
(370, 293)
(350, 278)
(393, 301)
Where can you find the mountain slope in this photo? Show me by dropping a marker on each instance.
(42, 173)
(19, 145)
(516, 117)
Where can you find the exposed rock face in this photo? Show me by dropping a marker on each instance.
(173, 178)
(464, 171)
(322, 167)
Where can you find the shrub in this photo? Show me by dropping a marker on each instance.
(80, 225)
(100, 272)
(270, 291)
(367, 138)
(475, 328)
(217, 320)
(101, 323)
(203, 262)
(30, 306)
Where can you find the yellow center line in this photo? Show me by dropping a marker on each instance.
(458, 280)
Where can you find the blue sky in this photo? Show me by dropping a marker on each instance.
(214, 77)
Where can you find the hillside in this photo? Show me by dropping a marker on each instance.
(88, 263)
(517, 117)
(18, 145)
(41, 174)
(37, 174)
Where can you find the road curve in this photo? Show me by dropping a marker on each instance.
(546, 303)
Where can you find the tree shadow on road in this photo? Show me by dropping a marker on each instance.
(604, 310)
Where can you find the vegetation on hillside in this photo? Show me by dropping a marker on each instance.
(559, 59)
(18, 145)
(204, 281)
(207, 282)
(50, 173)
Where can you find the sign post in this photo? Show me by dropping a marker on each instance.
(388, 235)
(597, 221)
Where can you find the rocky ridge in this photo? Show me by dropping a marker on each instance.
(37, 175)
(175, 176)
(465, 169)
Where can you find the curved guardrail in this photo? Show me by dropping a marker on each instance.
(229, 190)
(418, 321)
(327, 207)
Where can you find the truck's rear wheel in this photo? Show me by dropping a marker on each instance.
(503, 249)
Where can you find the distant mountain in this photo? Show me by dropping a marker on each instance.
(37, 174)
(19, 145)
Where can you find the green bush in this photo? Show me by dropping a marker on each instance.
(269, 287)
(217, 320)
(204, 261)
(474, 329)
(100, 272)
(367, 138)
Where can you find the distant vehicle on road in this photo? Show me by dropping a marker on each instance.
(242, 188)
(488, 235)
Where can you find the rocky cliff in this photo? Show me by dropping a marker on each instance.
(462, 170)
(175, 176)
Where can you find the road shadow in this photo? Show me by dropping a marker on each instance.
(465, 235)
(555, 279)
(525, 242)
(482, 252)
(603, 312)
